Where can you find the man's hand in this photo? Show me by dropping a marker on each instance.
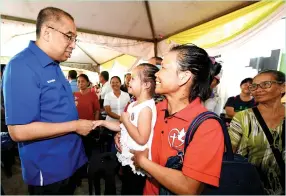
(83, 127)
(117, 142)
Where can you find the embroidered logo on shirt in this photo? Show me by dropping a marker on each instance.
(176, 137)
(50, 81)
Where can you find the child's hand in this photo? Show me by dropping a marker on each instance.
(124, 117)
(97, 123)
(117, 142)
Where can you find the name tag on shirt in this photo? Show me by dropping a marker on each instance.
(50, 81)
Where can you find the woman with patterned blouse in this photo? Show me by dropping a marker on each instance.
(247, 136)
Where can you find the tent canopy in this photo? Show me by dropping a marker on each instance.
(111, 29)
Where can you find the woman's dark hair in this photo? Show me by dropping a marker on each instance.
(147, 74)
(278, 75)
(196, 60)
(85, 77)
(117, 78)
(215, 70)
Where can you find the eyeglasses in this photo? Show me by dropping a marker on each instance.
(263, 85)
(69, 37)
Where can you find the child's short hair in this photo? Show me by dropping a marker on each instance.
(147, 74)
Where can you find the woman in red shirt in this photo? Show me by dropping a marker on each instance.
(87, 105)
(184, 79)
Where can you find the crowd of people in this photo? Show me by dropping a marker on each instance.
(145, 117)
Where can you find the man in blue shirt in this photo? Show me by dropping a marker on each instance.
(72, 79)
(40, 110)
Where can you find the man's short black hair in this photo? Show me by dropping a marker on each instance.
(105, 75)
(246, 80)
(127, 75)
(72, 74)
(49, 14)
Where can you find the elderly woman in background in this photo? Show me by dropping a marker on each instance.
(248, 135)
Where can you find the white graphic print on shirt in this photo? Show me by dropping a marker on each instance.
(176, 138)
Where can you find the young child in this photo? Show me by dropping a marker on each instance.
(137, 126)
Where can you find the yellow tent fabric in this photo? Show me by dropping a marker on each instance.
(227, 27)
(125, 59)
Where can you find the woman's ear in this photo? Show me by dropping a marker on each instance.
(184, 77)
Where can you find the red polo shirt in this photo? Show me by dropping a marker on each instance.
(86, 105)
(203, 157)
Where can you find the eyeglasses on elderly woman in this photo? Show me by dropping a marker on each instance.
(263, 85)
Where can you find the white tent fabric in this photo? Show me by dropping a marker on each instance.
(110, 29)
(236, 61)
(16, 35)
(243, 38)
(125, 46)
(164, 46)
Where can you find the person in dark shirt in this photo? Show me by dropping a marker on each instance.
(240, 102)
(124, 87)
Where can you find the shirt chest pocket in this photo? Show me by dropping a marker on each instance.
(52, 87)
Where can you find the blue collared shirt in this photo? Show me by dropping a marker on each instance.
(73, 85)
(35, 90)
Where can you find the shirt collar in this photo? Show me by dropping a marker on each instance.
(105, 84)
(44, 59)
(184, 114)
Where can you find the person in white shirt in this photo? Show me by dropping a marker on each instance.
(214, 100)
(115, 101)
(137, 126)
(106, 88)
(212, 103)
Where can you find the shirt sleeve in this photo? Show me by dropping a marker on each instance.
(229, 102)
(210, 104)
(21, 94)
(107, 100)
(237, 130)
(203, 158)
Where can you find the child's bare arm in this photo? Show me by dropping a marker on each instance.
(141, 133)
(111, 125)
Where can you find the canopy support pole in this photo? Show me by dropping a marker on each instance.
(151, 26)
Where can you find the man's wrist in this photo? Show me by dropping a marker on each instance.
(73, 125)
